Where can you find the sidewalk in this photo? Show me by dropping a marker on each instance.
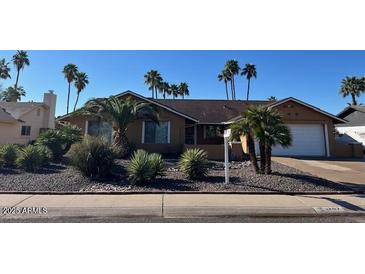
(177, 205)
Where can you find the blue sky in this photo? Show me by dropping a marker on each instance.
(311, 76)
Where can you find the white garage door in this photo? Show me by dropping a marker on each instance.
(308, 140)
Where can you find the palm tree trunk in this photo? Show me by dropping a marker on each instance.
(234, 87)
(183, 96)
(262, 156)
(68, 96)
(153, 92)
(248, 88)
(156, 92)
(120, 139)
(164, 94)
(17, 79)
(77, 100)
(353, 99)
(225, 83)
(232, 90)
(268, 159)
(252, 152)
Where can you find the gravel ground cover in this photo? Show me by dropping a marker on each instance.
(61, 177)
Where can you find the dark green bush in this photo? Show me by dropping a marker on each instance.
(194, 163)
(31, 158)
(93, 157)
(59, 140)
(8, 154)
(145, 167)
(46, 154)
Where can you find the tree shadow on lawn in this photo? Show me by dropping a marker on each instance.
(316, 181)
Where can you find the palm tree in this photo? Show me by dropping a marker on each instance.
(165, 88)
(269, 130)
(4, 69)
(243, 128)
(81, 81)
(70, 71)
(153, 79)
(272, 98)
(12, 95)
(20, 60)
(120, 113)
(174, 90)
(183, 89)
(352, 86)
(232, 68)
(249, 71)
(224, 76)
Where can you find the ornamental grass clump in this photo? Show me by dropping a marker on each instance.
(31, 158)
(145, 167)
(93, 157)
(8, 154)
(194, 163)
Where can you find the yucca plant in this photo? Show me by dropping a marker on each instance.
(8, 154)
(140, 169)
(30, 158)
(194, 163)
(93, 157)
(157, 165)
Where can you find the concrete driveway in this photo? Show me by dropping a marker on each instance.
(348, 172)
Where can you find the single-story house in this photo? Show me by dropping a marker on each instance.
(187, 123)
(355, 125)
(21, 122)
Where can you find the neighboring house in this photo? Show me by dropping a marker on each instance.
(21, 122)
(355, 125)
(187, 123)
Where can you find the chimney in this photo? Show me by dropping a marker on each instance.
(49, 99)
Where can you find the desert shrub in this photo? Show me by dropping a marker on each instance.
(145, 167)
(8, 153)
(194, 163)
(1, 162)
(59, 140)
(157, 165)
(46, 154)
(31, 158)
(93, 157)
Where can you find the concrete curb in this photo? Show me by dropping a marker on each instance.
(184, 192)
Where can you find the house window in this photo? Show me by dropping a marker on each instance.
(213, 132)
(25, 131)
(153, 133)
(100, 129)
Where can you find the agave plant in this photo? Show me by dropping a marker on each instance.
(194, 163)
(139, 169)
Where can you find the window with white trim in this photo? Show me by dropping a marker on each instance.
(154, 133)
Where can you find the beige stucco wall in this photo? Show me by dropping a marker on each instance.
(11, 132)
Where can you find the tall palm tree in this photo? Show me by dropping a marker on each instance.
(4, 69)
(269, 130)
(224, 76)
(174, 91)
(165, 88)
(153, 79)
(232, 69)
(249, 71)
(70, 71)
(12, 95)
(183, 90)
(20, 60)
(120, 113)
(243, 128)
(352, 86)
(81, 81)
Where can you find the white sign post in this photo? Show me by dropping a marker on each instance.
(227, 135)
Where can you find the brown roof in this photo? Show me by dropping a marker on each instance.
(209, 111)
